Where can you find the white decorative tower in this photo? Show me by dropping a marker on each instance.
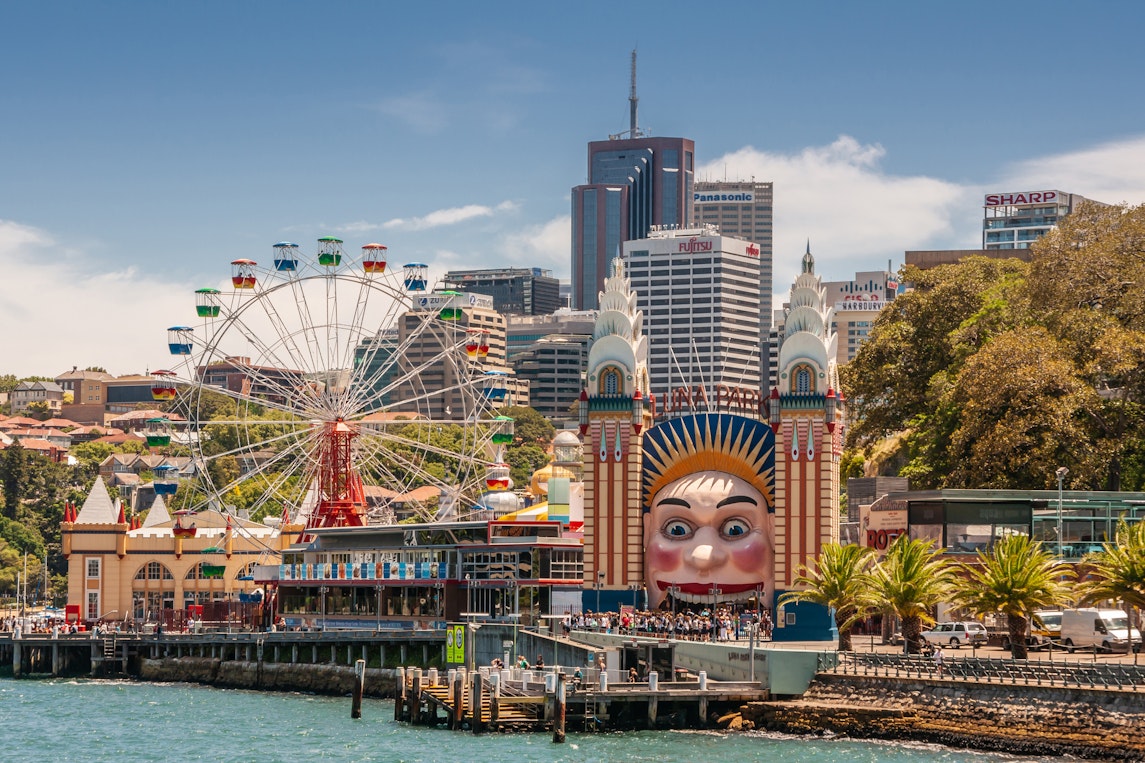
(806, 413)
(613, 412)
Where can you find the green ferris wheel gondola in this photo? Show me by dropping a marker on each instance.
(207, 303)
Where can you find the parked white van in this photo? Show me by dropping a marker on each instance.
(1107, 629)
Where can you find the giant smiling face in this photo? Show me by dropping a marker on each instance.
(705, 530)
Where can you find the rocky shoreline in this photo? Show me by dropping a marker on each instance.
(1093, 724)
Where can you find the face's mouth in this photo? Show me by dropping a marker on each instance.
(701, 592)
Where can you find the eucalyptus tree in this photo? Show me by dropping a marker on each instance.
(1016, 577)
(839, 579)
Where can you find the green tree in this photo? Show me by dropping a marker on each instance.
(90, 455)
(529, 426)
(840, 579)
(1017, 577)
(14, 476)
(1021, 413)
(523, 460)
(1117, 572)
(911, 580)
(40, 410)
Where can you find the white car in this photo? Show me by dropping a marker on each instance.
(956, 634)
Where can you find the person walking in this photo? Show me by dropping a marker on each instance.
(938, 660)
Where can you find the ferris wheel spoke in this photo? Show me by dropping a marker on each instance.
(413, 339)
(287, 458)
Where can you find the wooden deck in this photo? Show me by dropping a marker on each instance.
(488, 701)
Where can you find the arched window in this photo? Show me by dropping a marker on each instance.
(803, 382)
(152, 591)
(610, 382)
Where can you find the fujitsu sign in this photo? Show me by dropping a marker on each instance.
(696, 245)
(752, 250)
(1027, 197)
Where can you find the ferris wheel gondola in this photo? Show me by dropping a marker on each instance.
(316, 376)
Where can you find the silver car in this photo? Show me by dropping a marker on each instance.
(956, 634)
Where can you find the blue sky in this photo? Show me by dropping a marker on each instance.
(143, 146)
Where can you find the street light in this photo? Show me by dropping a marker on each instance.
(599, 585)
(1061, 475)
(378, 588)
(322, 591)
(715, 591)
(673, 592)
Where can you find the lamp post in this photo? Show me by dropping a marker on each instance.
(1061, 475)
(322, 592)
(599, 585)
(714, 627)
(378, 588)
(673, 591)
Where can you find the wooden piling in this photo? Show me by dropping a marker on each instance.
(359, 688)
(559, 722)
(458, 689)
(400, 701)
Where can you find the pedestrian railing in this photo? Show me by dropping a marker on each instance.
(1084, 675)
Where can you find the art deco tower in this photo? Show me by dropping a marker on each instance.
(613, 412)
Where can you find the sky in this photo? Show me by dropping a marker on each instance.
(143, 146)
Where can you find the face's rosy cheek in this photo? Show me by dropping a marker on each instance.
(663, 556)
(748, 555)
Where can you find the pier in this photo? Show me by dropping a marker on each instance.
(110, 654)
(516, 699)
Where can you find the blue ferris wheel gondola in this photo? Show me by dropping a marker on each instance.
(165, 483)
(416, 278)
(179, 340)
(496, 385)
(285, 257)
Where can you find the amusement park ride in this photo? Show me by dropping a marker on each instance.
(329, 368)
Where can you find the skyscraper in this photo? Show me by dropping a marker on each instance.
(699, 295)
(1016, 220)
(634, 182)
(741, 209)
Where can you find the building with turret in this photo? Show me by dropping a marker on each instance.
(613, 412)
(806, 413)
(153, 570)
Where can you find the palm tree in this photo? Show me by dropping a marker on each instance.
(840, 580)
(1117, 572)
(911, 581)
(1016, 578)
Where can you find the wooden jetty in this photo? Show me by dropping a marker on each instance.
(110, 653)
(515, 699)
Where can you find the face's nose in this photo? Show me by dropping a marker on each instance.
(706, 556)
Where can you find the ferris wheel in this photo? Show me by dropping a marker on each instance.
(320, 386)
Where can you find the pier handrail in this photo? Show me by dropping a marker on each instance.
(1079, 674)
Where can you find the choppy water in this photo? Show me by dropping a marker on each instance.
(106, 721)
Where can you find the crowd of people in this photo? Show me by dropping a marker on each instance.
(722, 625)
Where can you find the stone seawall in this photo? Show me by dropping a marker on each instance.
(233, 674)
(1026, 720)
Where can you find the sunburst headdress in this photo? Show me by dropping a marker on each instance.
(710, 442)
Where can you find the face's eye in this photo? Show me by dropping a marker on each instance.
(734, 528)
(677, 529)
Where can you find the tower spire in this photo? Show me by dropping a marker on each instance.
(632, 101)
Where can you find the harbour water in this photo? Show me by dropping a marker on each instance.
(106, 721)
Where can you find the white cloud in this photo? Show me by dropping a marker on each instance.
(451, 216)
(855, 215)
(423, 111)
(547, 245)
(59, 310)
(1112, 172)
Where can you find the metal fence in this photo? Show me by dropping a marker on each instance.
(1082, 675)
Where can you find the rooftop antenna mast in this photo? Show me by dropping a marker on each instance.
(633, 130)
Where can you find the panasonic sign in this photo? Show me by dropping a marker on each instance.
(745, 197)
